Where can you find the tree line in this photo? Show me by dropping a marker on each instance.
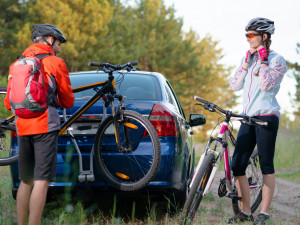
(117, 32)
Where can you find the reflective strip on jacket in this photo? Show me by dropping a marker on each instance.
(58, 85)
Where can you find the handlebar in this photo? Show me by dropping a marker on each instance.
(107, 67)
(212, 107)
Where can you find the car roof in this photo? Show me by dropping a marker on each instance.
(161, 78)
(156, 74)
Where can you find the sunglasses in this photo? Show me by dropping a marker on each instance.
(251, 35)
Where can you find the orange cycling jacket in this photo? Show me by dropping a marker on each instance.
(58, 85)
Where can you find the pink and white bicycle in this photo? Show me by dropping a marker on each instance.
(217, 149)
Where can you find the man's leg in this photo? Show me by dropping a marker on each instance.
(23, 198)
(45, 152)
(37, 201)
(267, 191)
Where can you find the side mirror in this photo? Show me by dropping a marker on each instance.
(197, 119)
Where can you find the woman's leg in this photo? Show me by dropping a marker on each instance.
(268, 191)
(246, 141)
(266, 139)
(242, 185)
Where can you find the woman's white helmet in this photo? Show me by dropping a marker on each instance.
(261, 24)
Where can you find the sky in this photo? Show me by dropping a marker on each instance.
(225, 21)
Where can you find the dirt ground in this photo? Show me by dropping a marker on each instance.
(285, 206)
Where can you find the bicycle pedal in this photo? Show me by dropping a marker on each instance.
(233, 195)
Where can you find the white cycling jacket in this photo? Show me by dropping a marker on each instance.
(259, 97)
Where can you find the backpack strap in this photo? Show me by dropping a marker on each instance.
(41, 56)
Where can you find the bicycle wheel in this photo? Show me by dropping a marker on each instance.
(254, 175)
(135, 165)
(6, 156)
(196, 192)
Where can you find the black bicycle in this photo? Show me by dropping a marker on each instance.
(119, 133)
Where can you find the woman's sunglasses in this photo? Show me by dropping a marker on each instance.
(251, 35)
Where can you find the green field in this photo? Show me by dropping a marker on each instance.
(287, 157)
(112, 210)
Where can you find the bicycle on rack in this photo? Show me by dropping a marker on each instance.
(119, 133)
(216, 149)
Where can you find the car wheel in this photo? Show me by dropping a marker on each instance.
(181, 196)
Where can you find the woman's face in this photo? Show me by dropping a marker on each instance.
(255, 41)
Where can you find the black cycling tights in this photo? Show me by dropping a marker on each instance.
(248, 137)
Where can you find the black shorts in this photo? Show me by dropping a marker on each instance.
(38, 156)
(264, 138)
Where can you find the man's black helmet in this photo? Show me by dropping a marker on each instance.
(261, 24)
(43, 30)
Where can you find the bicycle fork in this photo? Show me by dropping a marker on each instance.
(118, 119)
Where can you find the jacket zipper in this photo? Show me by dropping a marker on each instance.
(250, 87)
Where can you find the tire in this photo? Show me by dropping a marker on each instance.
(253, 172)
(196, 191)
(128, 171)
(6, 158)
(178, 198)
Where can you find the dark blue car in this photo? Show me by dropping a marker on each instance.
(151, 95)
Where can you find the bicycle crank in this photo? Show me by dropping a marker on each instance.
(222, 188)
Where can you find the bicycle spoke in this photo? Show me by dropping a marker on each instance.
(134, 164)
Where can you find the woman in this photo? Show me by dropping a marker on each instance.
(260, 75)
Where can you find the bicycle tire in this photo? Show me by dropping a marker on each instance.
(5, 134)
(135, 169)
(196, 191)
(254, 176)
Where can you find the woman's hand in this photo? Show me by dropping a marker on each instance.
(262, 54)
(249, 57)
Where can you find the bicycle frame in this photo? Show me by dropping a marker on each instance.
(220, 141)
(107, 86)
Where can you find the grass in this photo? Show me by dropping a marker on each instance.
(113, 210)
(292, 175)
(287, 157)
(7, 204)
(287, 148)
(118, 210)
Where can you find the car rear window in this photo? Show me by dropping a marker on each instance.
(133, 86)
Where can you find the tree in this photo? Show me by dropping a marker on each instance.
(148, 31)
(296, 70)
(12, 16)
(83, 22)
(209, 80)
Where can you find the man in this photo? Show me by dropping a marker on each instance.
(38, 136)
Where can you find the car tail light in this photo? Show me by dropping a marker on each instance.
(87, 117)
(13, 134)
(163, 121)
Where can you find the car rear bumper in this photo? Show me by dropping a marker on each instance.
(168, 176)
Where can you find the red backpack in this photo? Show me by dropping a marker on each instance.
(28, 96)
